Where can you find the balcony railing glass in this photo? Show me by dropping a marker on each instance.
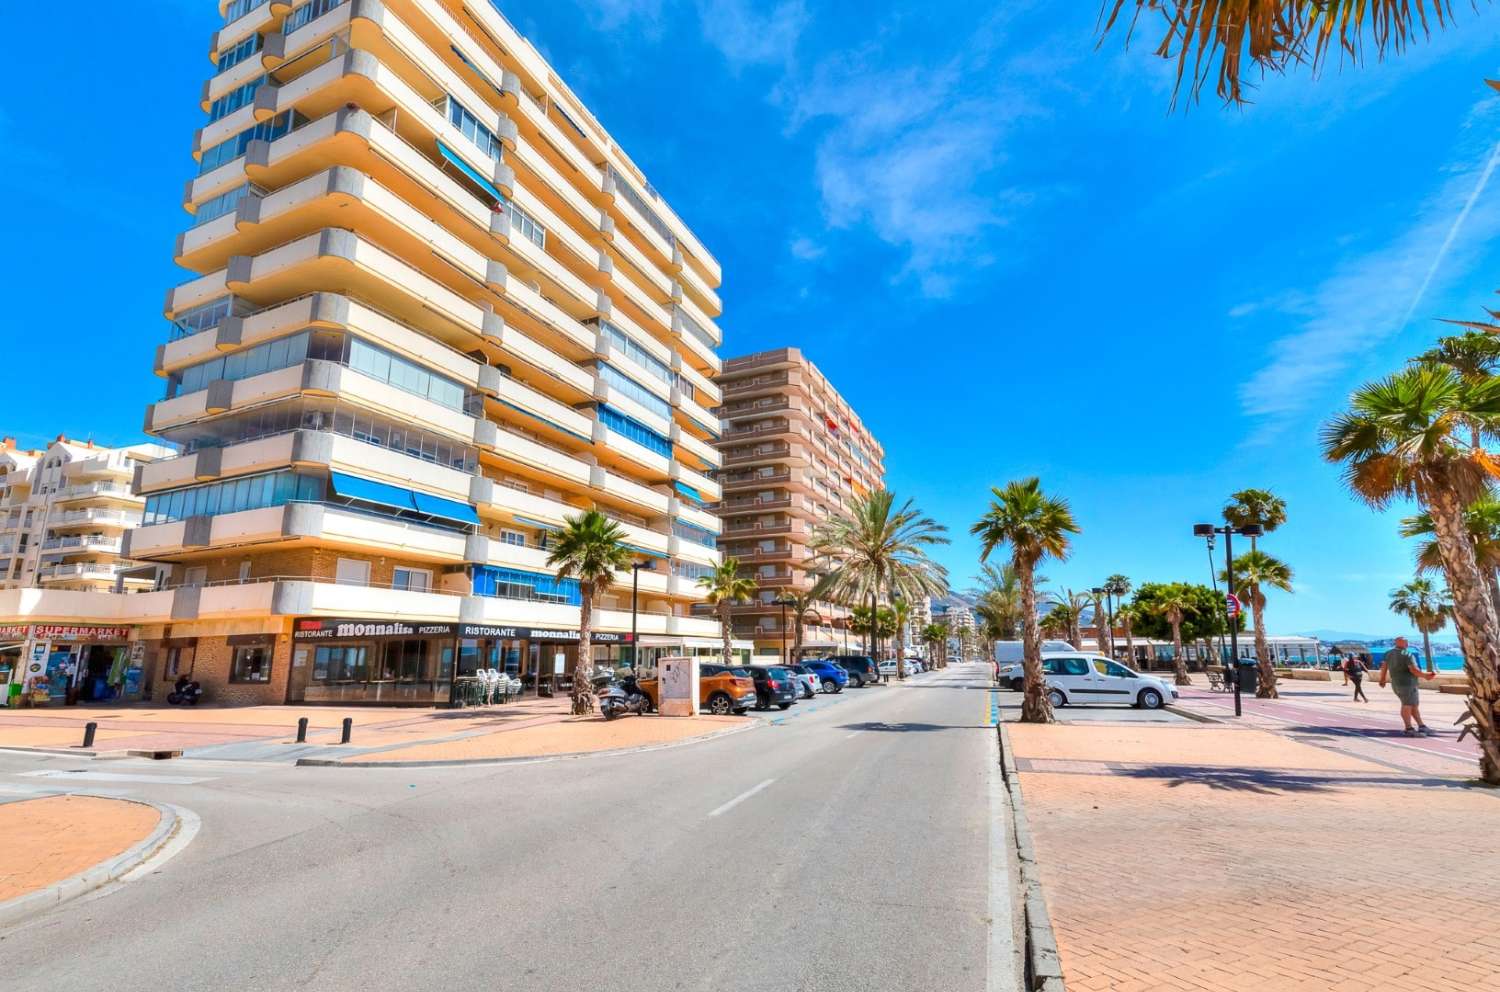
(513, 583)
(234, 99)
(645, 397)
(307, 13)
(227, 151)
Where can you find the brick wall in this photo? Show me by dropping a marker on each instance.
(319, 563)
(211, 665)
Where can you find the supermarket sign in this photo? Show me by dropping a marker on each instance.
(68, 632)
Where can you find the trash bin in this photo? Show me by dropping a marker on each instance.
(1247, 677)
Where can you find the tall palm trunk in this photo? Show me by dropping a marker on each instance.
(1035, 706)
(726, 632)
(1179, 659)
(1265, 685)
(1106, 636)
(1129, 640)
(583, 667)
(1474, 616)
(797, 632)
(1427, 649)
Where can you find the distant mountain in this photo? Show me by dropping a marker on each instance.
(1327, 636)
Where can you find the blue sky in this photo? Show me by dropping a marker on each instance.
(990, 235)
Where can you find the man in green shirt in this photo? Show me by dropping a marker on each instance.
(1400, 668)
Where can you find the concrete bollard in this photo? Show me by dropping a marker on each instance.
(302, 730)
(348, 729)
(88, 734)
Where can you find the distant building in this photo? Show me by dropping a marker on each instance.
(64, 511)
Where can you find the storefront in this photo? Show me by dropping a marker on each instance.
(12, 650)
(371, 661)
(65, 663)
(542, 658)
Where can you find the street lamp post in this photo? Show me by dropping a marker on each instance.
(1208, 531)
(783, 602)
(635, 588)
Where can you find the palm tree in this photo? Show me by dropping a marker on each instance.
(1427, 607)
(591, 548)
(935, 636)
(1119, 586)
(1407, 436)
(1255, 571)
(1125, 617)
(1035, 526)
(1260, 507)
(1072, 603)
(884, 625)
(799, 604)
(1058, 622)
(723, 587)
(1104, 635)
(1273, 35)
(1482, 521)
(1474, 355)
(1175, 603)
(900, 616)
(876, 549)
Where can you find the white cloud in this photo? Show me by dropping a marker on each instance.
(610, 14)
(1371, 298)
(806, 249)
(747, 37)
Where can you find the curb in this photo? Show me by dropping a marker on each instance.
(1043, 965)
(522, 759)
(1190, 715)
(72, 752)
(15, 910)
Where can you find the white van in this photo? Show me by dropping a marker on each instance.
(1075, 678)
(1009, 654)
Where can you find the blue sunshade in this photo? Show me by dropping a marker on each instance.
(381, 494)
(469, 171)
(448, 509)
(688, 491)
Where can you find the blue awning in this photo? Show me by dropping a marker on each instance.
(448, 509)
(543, 525)
(369, 491)
(688, 491)
(470, 171)
(645, 551)
(382, 494)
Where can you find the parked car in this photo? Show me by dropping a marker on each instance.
(807, 679)
(774, 686)
(1090, 678)
(831, 676)
(720, 690)
(859, 667)
(916, 665)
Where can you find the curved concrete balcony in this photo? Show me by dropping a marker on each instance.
(696, 515)
(252, 21)
(608, 484)
(700, 483)
(495, 499)
(693, 417)
(542, 460)
(93, 519)
(98, 494)
(618, 451)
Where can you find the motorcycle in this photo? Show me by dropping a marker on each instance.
(185, 692)
(623, 697)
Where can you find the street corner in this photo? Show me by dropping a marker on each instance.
(59, 847)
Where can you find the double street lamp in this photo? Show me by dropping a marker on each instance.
(1232, 669)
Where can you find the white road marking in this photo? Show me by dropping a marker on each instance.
(115, 777)
(742, 797)
(855, 734)
(23, 789)
(187, 828)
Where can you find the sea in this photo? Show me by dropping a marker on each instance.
(1446, 662)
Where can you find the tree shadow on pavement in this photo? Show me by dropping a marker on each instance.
(1271, 781)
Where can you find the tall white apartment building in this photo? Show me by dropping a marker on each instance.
(435, 311)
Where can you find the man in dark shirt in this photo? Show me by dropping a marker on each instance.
(1400, 669)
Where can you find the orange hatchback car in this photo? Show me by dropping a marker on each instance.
(720, 690)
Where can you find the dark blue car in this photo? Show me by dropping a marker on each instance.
(831, 677)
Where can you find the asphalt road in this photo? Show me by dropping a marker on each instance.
(844, 845)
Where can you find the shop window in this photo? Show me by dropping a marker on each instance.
(251, 664)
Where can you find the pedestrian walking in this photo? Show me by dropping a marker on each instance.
(1354, 671)
(1400, 669)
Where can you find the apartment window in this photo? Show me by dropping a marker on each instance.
(523, 222)
(352, 572)
(239, 8)
(340, 664)
(513, 537)
(645, 397)
(390, 368)
(633, 351)
(243, 50)
(460, 117)
(245, 567)
(251, 663)
(179, 662)
(202, 317)
(634, 430)
(691, 569)
(694, 533)
(307, 13)
(234, 99)
(227, 151)
(512, 583)
(639, 202)
(411, 579)
(230, 496)
(195, 576)
(265, 357)
(220, 205)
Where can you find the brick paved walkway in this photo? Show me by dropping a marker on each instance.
(1262, 858)
(50, 839)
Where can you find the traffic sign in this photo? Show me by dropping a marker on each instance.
(1232, 604)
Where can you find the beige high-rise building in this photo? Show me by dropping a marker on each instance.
(795, 453)
(434, 311)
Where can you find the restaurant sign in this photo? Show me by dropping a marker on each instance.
(328, 630)
(537, 634)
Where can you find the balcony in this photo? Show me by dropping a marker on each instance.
(298, 523)
(98, 467)
(98, 544)
(103, 491)
(100, 518)
(87, 571)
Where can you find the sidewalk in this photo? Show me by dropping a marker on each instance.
(1285, 852)
(48, 840)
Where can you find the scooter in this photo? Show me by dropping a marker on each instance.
(185, 692)
(623, 697)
